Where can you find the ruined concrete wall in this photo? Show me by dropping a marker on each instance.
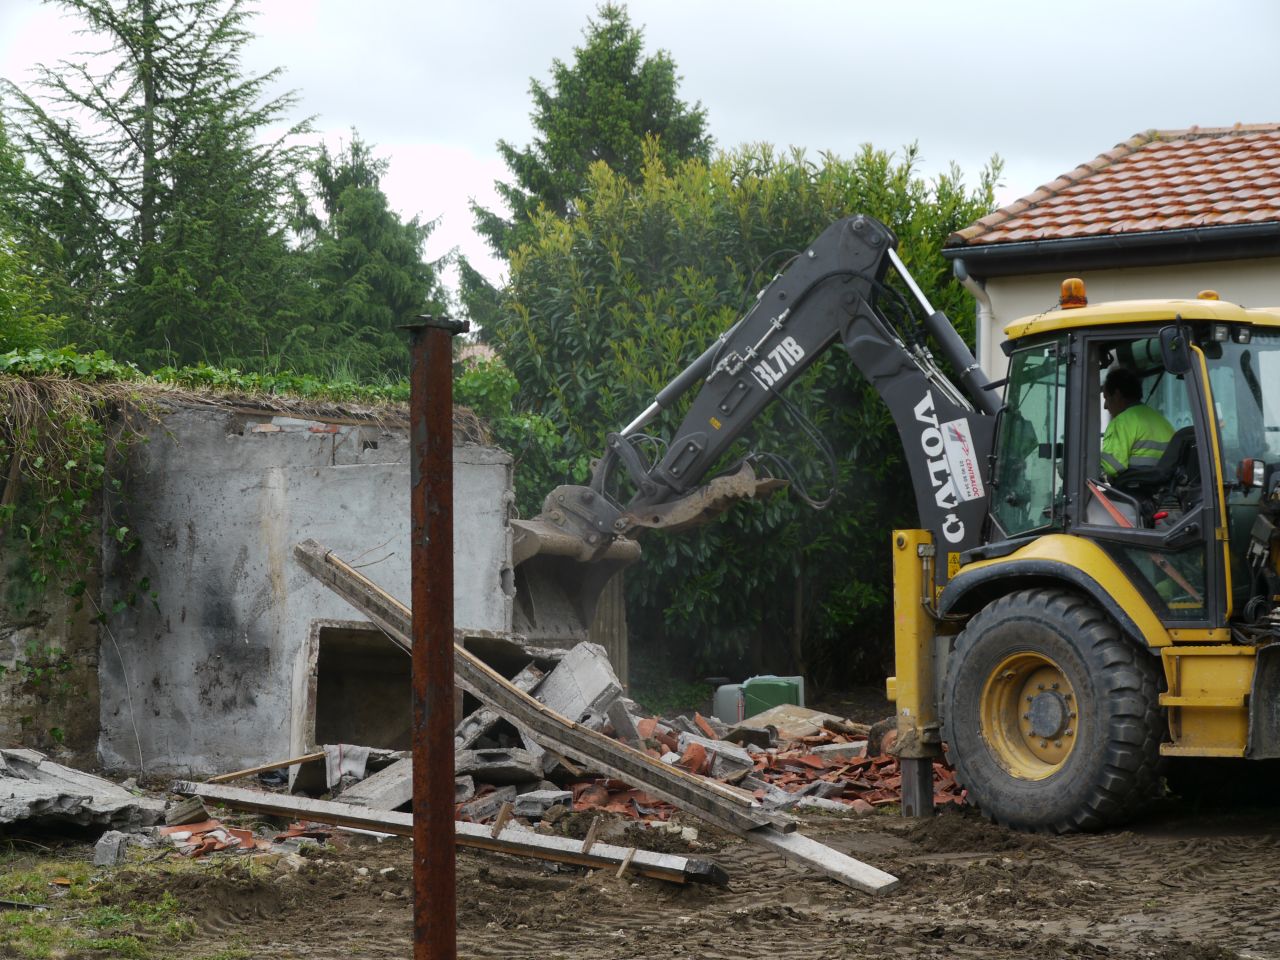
(48, 662)
(217, 663)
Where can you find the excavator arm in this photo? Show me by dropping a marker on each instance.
(833, 292)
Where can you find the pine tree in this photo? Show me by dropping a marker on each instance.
(366, 267)
(152, 200)
(603, 107)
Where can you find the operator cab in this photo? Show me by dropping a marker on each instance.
(1203, 380)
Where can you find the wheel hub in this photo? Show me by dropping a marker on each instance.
(1048, 714)
(1029, 715)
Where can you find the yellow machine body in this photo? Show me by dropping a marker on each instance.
(1209, 675)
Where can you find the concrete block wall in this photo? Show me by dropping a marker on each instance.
(213, 674)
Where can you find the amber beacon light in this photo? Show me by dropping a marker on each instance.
(1073, 294)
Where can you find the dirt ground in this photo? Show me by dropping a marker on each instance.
(1177, 886)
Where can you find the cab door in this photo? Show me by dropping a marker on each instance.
(1164, 539)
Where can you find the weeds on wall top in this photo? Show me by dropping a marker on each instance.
(67, 416)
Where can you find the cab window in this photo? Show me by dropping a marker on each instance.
(1029, 449)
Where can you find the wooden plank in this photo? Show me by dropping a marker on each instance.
(501, 820)
(590, 840)
(388, 789)
(824, 859)
(266, 767)
(520, 843)
(626, 862)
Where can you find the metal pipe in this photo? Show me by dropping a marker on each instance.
(431, 559)
(950, 345)
(909, 280)
(986, 315)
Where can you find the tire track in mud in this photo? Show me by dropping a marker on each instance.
(1224, 889)
(969, 890)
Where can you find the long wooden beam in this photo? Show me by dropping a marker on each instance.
(720, 804)
(513, 839)
(723, 805)
(266, 767)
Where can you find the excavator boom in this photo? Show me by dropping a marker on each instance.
(835, 291)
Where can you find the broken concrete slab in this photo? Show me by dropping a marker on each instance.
(464, 788)
(189, 810)
(825, 805)
(478, 723)
(840, 751)
(771, 795)
(792, 722)
(827, 789)
(582, 686)
(35, 789)
(537, 802)
(388, 789)
(499, 766)
(111, 848)
(624, 723)
(486, 807)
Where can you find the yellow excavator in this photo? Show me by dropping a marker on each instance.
(1061, 622)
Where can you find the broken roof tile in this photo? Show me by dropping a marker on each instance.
(1158, 180)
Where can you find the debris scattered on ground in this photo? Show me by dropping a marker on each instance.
(35, 790)
(589, 688)
(110, 849)
(510, 836)
(190, 810)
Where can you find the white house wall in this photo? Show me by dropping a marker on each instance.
(1250, 283)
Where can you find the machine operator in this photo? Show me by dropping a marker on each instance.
(1137, 435)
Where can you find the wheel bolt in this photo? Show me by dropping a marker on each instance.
(1026, 716)
(1055, 686)
(1031, 699)
(1039, 686)
(1044, 743)
(1069, 732)
(1057, 743)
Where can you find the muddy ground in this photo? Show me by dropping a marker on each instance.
(1181, 884)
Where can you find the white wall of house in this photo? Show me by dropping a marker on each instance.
(1250, 283)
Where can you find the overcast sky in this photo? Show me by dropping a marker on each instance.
(1045, 85)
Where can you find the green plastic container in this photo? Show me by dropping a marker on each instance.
(762, 693)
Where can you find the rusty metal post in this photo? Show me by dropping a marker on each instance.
(431, 544)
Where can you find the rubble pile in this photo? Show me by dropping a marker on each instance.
(788, 758)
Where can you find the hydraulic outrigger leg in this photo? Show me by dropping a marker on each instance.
(919, 741)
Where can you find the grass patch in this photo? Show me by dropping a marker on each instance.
(75, 919)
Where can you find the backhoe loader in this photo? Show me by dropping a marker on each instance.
(1059, 627)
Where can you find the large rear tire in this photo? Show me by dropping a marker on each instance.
(1051, 717)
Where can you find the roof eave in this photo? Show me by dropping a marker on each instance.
(1149, 249)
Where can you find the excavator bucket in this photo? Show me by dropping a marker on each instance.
(558, 580)
(559, 573)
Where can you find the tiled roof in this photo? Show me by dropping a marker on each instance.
(1158, 180)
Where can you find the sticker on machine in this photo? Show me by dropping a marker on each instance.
(962, 459)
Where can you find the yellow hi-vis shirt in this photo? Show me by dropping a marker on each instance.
(1136, 437)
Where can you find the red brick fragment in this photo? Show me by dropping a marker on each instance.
(705, 727)
(695, 759)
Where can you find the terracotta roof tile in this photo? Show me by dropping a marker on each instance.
(1158, 180)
